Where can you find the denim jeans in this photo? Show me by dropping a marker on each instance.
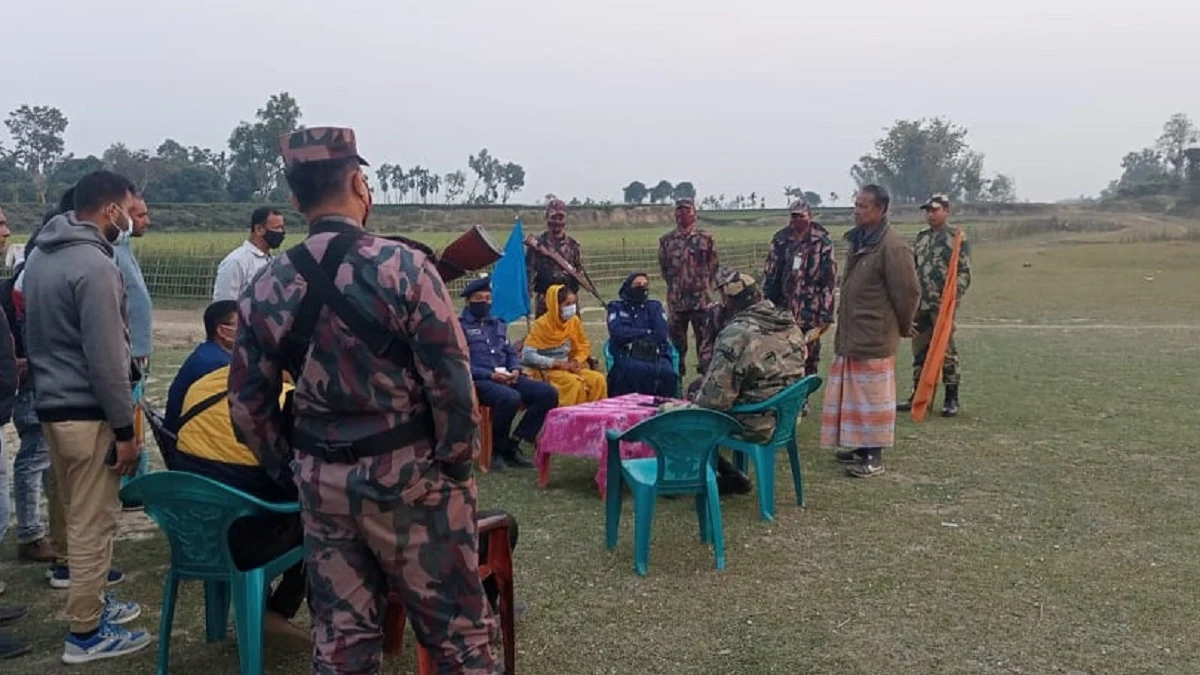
(31, 470)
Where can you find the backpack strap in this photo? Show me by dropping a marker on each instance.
(323, 293)
(204, 404)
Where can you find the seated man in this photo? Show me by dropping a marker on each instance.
(760, 352)
(197, 413)
(499, 383)
(557, 351)
(640, 343)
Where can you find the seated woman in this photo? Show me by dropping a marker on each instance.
(557, 350)
(640, 344)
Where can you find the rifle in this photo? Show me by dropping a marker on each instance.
(581, 277)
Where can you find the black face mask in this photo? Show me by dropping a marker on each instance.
(480, 310)
(274, 238)
(639, 294)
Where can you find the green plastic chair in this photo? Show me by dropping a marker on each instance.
(608, 363)
(684, 443)
(195, 512)
(787, 405)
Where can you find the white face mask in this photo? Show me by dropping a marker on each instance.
(568, 312)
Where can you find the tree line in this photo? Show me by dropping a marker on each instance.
(913, 159)
(36, 165)
(1168, 168)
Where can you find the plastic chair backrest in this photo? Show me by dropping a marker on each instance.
(196, 512)
(684, 441)
(786, 405)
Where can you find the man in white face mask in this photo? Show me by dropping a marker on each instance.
(137, 299)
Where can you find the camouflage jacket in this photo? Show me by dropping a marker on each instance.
(543, 272)
(932, 251)
(344, 392)
(688, 262)
(714, 323)
(800, 275)
(758, 354)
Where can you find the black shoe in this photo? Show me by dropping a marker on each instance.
(11, 614)
(11, 647)
(515, 459)
(848, 456)
(498, 464)
(870, 463)
(905, 406)
(730, 480)
(950, 408)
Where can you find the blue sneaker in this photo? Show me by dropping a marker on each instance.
(119, 613)
(59, 577)
(108, 642)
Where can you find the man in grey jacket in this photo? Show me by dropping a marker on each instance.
(77, 341)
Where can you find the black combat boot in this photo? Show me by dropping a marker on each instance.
(730, 480)
(513, 456)
(906, 406)
(950, 407)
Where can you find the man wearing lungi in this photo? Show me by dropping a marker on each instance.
(879, 298)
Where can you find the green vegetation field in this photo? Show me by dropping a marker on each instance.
(1049, 529)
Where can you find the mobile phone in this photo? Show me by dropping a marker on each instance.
(110, 457)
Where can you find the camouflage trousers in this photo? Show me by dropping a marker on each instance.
(424, 554)
(925, 322)
(677, 328)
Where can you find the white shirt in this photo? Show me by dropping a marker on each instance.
(237, 270)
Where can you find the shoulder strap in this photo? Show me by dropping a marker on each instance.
(204, 404)
(322, 291)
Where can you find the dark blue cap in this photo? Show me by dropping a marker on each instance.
(484, 284)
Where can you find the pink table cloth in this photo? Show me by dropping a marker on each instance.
(579, 431)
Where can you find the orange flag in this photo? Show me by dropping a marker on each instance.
(936, 355)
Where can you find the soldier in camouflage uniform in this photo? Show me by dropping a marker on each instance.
(383, 424)
(715, 320)
(759, 353)
(932, 251)
(544, 272)
(687, 259)
(800, 275)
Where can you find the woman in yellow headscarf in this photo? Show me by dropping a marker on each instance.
(557, 350)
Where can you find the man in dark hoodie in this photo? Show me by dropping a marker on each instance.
(77, 341)
(759, 353)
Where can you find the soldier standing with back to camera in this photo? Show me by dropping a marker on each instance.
(385, 420)
(932, 251)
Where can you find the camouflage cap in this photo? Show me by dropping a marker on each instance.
(937, 200)
(318, 144)
(736, 283)
(554, 206)
(685, 201)
(800, 206)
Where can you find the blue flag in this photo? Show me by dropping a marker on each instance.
(510, 284)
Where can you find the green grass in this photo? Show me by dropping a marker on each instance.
(1047, 530)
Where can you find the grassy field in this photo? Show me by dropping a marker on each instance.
(1046, 530)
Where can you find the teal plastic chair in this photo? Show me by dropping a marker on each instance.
(608, 363)
(684, 442)
(195, 513)
(787, 405)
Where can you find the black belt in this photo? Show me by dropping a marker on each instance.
(349, 452)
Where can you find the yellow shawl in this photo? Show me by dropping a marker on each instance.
(550, 331)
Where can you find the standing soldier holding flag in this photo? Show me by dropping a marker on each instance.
(384, 424)
(933, 251)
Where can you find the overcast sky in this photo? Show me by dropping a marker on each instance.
(736, 96)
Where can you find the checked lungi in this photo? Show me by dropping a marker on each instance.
(860, 404)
